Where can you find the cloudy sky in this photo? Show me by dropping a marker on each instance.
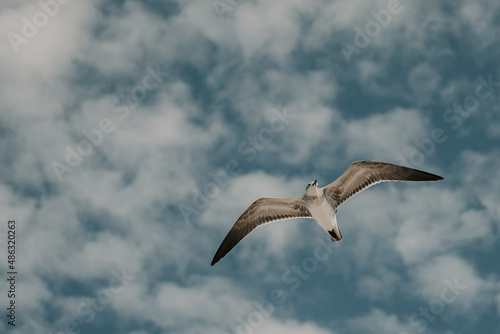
(134, 133)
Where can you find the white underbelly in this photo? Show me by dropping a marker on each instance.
(323, 214)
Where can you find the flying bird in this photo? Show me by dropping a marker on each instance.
(321, 204)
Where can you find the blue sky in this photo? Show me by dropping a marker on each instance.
(133, 135)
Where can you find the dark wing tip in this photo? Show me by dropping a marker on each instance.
(232, 238)
(215, 260)
(218, 255)
(429, 176)
(223, 249)
(412, 174)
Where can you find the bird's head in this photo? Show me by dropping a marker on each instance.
(312, 188)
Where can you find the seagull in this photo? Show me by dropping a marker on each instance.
(320, 204)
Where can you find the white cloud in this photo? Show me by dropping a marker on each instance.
(379, 285)
(424, 81)
(293, 327)
(385, 136)
(458, 276)
(480, 18)
(125, 38)
(213, 304)
(432, 227)
(481, 176)
(377, 321)
(268, 28)
(31, 79)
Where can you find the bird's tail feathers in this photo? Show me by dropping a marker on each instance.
(335, 234)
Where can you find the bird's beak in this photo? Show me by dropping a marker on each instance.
(315, 182)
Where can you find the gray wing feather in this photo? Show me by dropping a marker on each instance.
(363, 174)
(262, 211)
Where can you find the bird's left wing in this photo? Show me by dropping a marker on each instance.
(363, 174)
(262, 211)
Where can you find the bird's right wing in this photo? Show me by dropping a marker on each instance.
(262, 211)
(363, 174)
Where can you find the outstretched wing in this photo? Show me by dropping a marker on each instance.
(262, 211)
(363, 174)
